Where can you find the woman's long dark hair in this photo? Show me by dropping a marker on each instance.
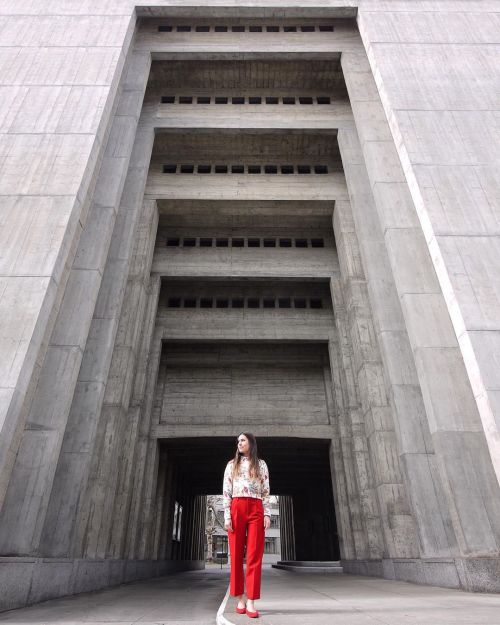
(253, 456)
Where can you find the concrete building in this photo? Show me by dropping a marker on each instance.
(266, 215)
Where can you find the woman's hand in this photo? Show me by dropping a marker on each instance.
(228, 526)
(267, 522)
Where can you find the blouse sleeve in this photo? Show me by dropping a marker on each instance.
(227, 491)
(265, 489)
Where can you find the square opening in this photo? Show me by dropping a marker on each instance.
(300, 302)
(320, 169)
(272, 29)
(288, 99)
(237, 169)
(287, 169)
(173, 242)
(174, 302)
(253, 302)
(272, 100)
(289, 29)
(255, 29)
(220, 29)
(185, 99)
(268, 302)
(164, 28)
(269, 242)
(271, 169)
(238, 100)
(317, 243)
(285, 242)
(326, 28)
(284, 302)
(189, 242)
(238, 242)
(253, 242)
(203, 99)
(254, 100)
(238, 29)
(221, 169)
(221, 302)
(304, 169)
(187, 169)
(204, 169)
(300, 242)
(323, 99)
(190, 302)
(168, 99)
(205, 242)
(222, 242)
(315, 302)
(169, 169)
(221, 99)
(206, 302)
(202, 28)
(305, 100)
(237, 302)
(307, 28)
(184, 28)
(254, 169)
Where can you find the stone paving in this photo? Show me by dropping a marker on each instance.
(288, 598)
(303, 599)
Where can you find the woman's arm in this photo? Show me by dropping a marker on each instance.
(227, 491)
(265, 489)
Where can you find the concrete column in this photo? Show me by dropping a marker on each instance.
(347, 506)
(367, 532)
(467, 476)
(34, 482)
(287, 532)
(376, 426)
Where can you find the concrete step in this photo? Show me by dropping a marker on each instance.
(303, 566)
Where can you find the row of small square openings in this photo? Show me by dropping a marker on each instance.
(202, 99)
(240, 28)
(314, 303)
(172, 168)
(244, 242)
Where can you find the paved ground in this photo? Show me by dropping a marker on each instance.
(295, 599)
(302, 599)
(191, 598)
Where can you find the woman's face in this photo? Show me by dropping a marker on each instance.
(243, 444)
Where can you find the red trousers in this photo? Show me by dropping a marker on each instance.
(247, 518)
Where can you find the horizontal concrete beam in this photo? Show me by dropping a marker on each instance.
(325, 432)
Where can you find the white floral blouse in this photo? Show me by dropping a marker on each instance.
(245, 486)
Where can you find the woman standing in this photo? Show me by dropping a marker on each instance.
(246, 517)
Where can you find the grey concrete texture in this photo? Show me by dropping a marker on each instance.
(355, 600)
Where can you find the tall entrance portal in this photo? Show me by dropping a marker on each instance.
(248, 258)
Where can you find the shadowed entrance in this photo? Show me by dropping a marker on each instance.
(300, 473)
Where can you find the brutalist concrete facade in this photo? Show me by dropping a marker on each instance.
(277, 216)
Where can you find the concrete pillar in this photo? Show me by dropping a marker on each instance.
(461, 456)
(376, 425)
(287, 533)
(350, 522)
(45, 440)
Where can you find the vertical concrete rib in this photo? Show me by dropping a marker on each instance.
(30, 488)
(433, 362)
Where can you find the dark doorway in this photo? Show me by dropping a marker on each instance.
(299, 468)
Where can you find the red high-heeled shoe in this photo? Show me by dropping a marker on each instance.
(240, 610)
(253, 614)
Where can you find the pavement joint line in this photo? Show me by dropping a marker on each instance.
(221, 619)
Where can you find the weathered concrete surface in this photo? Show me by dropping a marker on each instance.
(351, 600)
